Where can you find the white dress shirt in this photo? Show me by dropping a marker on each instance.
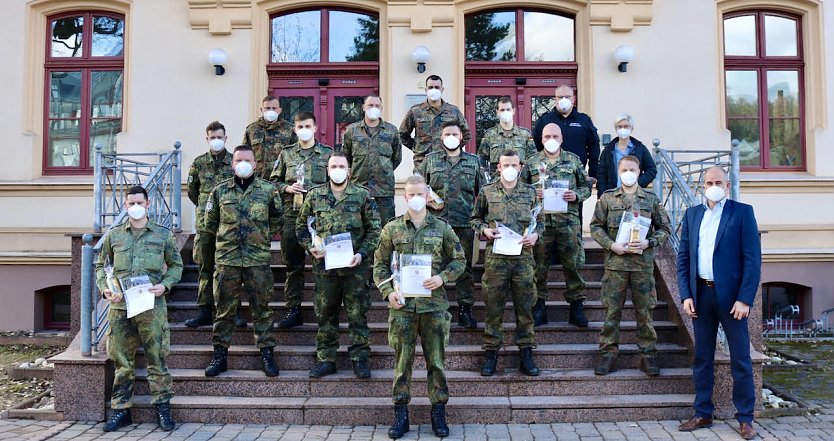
(706, 239)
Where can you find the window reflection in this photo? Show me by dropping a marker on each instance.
(106, 94)
(747, 132)
(485, 117)
(353, 37)
(740, 36)
(108, 37)
(491, 37)
(783, 93)
(67, 37)
(292, 105)
(548, 37)
(297, 37)
(780, 36)
(742, 93)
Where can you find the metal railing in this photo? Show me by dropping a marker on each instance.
(115, 173)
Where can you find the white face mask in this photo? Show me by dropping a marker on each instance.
(506, 117)
(434, 94)
(510, 174)
(628, 178)
(564, 104)
(552, 146)
(715, 193)
(304, 134)
(451, 142)
(244, 169)
(136, 212)
(217, 144)
(624, 132)
(373, 113)
(271, 116)
(338, 175)
(417, 203)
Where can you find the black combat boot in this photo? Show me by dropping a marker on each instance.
(119, 418)
(648, 364)
(607, 365)
(163, 417)
(268, 362)
(400, 426)
(240, 322)
(490, 361)
(540, 313)
(361, 369)
(291, 319)
(526, 365)
(203, 318)
(577, 314)
(438, 420)
(465, 318)
(323, 368)
(218, 362)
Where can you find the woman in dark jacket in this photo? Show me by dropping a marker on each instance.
(622, 145)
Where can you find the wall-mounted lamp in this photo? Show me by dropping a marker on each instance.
(421, 56)
(623, 54)
(217, 58)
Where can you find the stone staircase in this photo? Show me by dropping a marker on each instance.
(567, 390)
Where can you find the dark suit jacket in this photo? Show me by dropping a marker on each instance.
(737, 259)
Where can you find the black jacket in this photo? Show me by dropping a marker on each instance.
(579, 136)
(607, 172)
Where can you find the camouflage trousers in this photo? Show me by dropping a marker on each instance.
(644, 298)
(293, 254)
(563, 238)
(464, 284)
(150, 329)
(203, 255)
(385, 205)
(256, 284)
(516, 277)
(333, 288)
(433, 329)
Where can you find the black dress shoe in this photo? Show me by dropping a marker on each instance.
(119, 419)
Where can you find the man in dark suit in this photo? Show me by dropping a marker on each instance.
(719, 268)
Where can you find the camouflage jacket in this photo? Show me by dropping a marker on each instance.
(243, 222)
(606, 223)
(315, 170)
(566, 167)
(373, 153)
(149, 253)
(435, 237)
(496, 140)
(426, 122)
(457, 181)
(268, 140)
(512, 208)
(206, 171)
(354, 213)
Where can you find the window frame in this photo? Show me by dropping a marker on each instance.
(762, 64)
(86, 64)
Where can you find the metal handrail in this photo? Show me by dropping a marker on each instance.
(114, 174)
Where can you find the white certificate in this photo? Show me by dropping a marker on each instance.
(338, 251)
(627, 224)
(414, 270)
(509, 244)
(138, 296)
(553, 197)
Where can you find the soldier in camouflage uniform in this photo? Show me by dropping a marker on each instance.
(374, 151)
(426, 121)
(508, 202)
(139, 247)
(419, 232)
(561, 229)
(456, 177)
(341, 207)
(312, 156)
(268, 135)
(625, 267)
(206, 171)
(243, 214)
(505, 135)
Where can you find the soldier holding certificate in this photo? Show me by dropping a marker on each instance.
(418, 232)
(331, 211)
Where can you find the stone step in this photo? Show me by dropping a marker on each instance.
(460, 410)
(551, 333)
(343, 384)
(557, 311)
(591, 272)
(183, 292)
(458, 357)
